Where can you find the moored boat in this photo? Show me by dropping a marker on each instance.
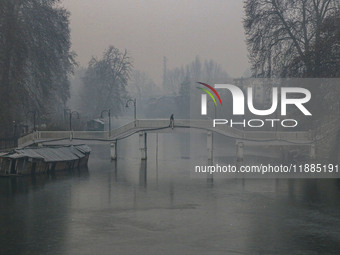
(43, 160)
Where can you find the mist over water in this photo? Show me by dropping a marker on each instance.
(200, 85)
(158, 207)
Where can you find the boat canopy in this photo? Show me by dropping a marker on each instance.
(50, 153)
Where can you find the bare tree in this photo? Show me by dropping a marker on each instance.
(105, 82)
(208, 71)
(287, 34)
(181, 80)
(141, 86)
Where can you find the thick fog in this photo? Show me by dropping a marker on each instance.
(149, 30)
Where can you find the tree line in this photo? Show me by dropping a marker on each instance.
(35, 61)
(293, 38)
(285, 38)
(296, 39)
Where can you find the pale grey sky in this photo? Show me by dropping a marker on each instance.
(151, 29)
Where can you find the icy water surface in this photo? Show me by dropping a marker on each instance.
(133, 207)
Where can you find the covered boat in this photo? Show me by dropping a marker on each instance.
(45, 159)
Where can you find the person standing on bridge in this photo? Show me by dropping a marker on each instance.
(172, 121)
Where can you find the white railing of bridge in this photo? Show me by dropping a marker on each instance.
(90, 134)
(41, 135)
(289, 136)
(123, 129)
(150, 124)
(52, 134)
(154, 125)
(27, 139)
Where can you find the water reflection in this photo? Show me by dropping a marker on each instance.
(34, 209)
(143, 173)
(132, 206)
(11, 186)
(210, 176)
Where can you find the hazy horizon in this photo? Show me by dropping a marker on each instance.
(149, 30)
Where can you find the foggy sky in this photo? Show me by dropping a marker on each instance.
(151, 29)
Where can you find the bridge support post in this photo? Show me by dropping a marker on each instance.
(239, 151)
(143, 145)
(113, 149)
(210, 145)
(312, 153)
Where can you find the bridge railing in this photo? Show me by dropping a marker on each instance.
(123, 129)
(52, 134)
(27, 139)
(55, 135)
(262, 135)
(72, 134)
(200, 124)
(150, 124)
(90, 134)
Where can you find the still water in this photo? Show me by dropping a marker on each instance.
(157, 207)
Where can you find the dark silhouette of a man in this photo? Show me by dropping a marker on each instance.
(172, 121)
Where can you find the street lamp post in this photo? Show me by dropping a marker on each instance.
(66, 112)
(135, 108)
(34, 118)
(109, 115)
(71, 113)
(14, 128)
